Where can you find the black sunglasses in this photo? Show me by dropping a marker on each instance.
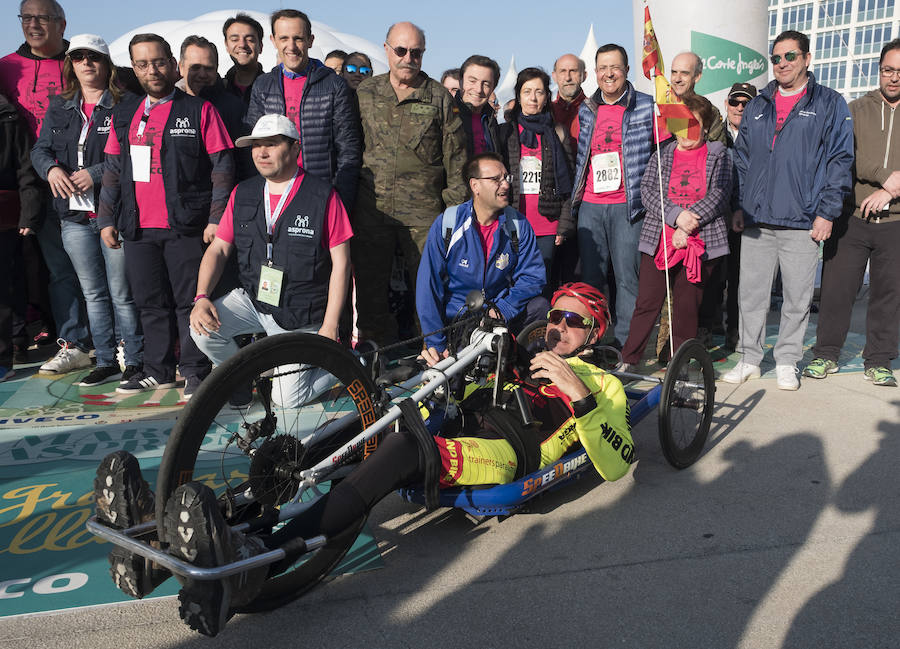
(362, 69)
(738, 102)
(790, 57)
(80, 55)
(415, 53)
(573, 320)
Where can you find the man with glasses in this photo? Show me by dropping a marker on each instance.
(482, 244)
(169, 172)
(615, 140)
(244, 43)
(316, 100)
(415, 149)
(794, 153)
(479, 76)
(870, 234)
(28, 78)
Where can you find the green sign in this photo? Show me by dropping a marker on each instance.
(725, 62)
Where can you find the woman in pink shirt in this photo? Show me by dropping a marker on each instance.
(696, 178)
(537, 153)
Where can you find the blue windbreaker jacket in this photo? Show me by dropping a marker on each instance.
(510, 280)
(806, 172)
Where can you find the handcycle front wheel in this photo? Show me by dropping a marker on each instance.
(250, 456)
(686, 404)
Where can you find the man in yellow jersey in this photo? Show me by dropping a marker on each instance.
(578, 403)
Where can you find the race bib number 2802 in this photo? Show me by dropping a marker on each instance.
(607, 172)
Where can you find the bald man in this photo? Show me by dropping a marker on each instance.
(568, 74)
(685, 73)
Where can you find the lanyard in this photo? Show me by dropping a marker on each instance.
(147, 108)
(272, 217)
(86, 123)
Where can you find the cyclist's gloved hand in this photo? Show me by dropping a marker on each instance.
(432, 356)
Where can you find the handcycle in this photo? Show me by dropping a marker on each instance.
(270, 462)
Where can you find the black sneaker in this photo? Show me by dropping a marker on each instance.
(142, 382)
(130, 372)
(241, 398)
(191, 384)
(123, 499)
(197, 532)
(101, 375)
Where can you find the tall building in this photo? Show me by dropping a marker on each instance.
(845, 36)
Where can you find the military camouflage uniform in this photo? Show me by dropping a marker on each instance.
(412, 168)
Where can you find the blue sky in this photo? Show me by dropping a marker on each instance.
(536, 33)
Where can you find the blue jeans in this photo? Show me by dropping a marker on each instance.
(101, 273)
(606, 234)
(66, 302)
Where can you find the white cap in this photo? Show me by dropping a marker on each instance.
(88, 42)
(269, 126)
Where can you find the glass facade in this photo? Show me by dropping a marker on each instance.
(870, 38)
(832, 44)
(800, 16)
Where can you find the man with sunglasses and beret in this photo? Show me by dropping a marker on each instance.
(794, 154)
(483, 244)
(316, 100)
(415, 149)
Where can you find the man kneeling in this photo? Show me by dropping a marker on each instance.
(293, 271)
(580, 404)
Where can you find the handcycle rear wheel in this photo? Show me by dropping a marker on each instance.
(686, 404)
(205, 445)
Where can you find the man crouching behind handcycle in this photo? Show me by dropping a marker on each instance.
(581, 403)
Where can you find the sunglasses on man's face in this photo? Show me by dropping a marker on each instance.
(790, 57)
(361, 69)
(414, 53)
(81, 55)
(573, 320)
(734, 103)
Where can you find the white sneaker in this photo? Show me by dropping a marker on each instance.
(786, 376)
(740, 373)
(68, 359)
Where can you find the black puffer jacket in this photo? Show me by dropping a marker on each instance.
(550, 203)
(330, 131)
(20, 192)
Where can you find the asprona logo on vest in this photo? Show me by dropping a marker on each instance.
(301, 228)
(183, 128)
(725, 62)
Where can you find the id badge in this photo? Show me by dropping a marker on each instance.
(82, 202)
(607, 172)
(269, 291)
(140, 163)
(530, 174)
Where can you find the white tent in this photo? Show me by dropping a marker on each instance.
(507, 88)
(210, 26)
(588, 52)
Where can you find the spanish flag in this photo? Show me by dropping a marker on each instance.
(679, 120)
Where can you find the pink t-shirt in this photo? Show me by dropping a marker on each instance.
(783, 107)
(293, 93)
(528, 203)
(687, 184)
(337, 223)
(607, 138)
(151, 196)
(29, 84)
(486, 234)
(479, 144)
(87, 109)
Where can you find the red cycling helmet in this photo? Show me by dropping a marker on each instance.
(592, 299)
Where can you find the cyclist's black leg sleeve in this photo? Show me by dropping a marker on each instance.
(393, 465)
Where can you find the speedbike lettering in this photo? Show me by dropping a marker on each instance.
(555, 472)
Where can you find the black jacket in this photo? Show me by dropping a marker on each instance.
(20, 189)
(550, 203)
(330, 130)
(488, 123)
(230, 87)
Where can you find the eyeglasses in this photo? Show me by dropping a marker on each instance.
(497, 179)
(159, 64)
(889, 72)
(611, 69)
(361, 69)
(414, 53)
(790, 57)
(41, 19)
(80, 55)
(573, 320)
(734, 103)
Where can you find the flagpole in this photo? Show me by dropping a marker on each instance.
(662, 216)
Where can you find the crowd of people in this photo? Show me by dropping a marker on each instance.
(151, 199)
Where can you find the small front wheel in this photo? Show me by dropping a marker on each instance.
(686, 404)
